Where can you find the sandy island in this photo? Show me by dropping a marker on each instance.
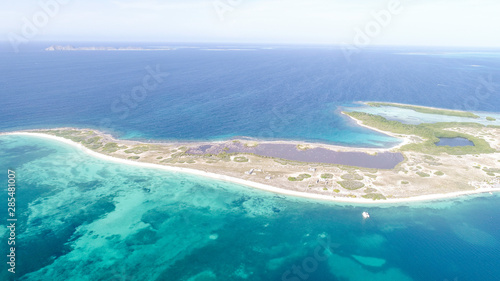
(419, 177)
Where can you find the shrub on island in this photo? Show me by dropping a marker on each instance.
(351, 184)
(138, 149)
(240, 159)
(299, 177)
(374, 196)
(111, 147)
(491, 171)
(424, 175)
(351, 177)
(303, 147)
(326, 176)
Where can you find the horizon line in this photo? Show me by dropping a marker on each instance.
(323, 45)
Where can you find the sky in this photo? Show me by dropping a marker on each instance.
(352, 22)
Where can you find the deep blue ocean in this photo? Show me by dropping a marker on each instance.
(82, 218)
(279, 93)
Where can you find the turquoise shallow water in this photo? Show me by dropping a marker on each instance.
(82, 218)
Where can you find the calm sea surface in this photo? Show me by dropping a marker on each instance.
(81, 218)
(281, 93)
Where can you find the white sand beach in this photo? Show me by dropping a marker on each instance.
(255, 184)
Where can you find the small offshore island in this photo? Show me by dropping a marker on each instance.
(416, 169)
(100, 48)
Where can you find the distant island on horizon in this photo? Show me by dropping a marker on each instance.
(100, 48)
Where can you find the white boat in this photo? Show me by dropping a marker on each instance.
(366, 215)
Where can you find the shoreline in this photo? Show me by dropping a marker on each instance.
(260, 186)
(331, 146)
(366, 103)
(405, 139)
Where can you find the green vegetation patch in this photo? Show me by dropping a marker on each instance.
(224, 156)
(422, 174)
(431, 160)
(374, 196)
(492, 170)
(336, 190)
(438, 173)
(303, 147)
(94, 146)
(427, 110)
(74, 135)
(326, 176)
(134, 157)
(91, 140)
(370, 190)
(138, 149)
(289, 162)
(301, 177)
(405, 182)
(429, 131)
(251, 144)
(92, 143)
(240, 159)
(111, 147)
(491, 119)
(351, 184)
(177, 154)
(351, 177)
